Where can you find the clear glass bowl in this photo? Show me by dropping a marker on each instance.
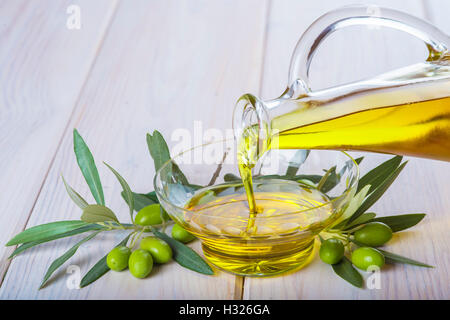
(274, 243)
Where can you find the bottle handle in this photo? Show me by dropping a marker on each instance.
(436, 41)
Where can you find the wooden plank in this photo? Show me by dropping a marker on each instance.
(162, 66)
(43, 67)
(437, 11)
(422, 187)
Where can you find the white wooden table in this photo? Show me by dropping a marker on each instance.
(136, 66)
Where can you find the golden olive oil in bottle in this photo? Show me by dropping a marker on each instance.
(414, 128)
(404, 112)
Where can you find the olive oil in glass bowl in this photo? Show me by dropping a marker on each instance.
(291, 209)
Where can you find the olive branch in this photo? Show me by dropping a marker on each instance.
(355, 228)
(97, 218)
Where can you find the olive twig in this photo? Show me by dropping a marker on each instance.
(106, 225)
(133, 236)
(136, 238)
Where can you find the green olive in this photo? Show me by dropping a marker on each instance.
(331, 251)
(365, 257)
(140, 263)
(149, 215)
(159, 249)
(373, 234)
(180, 234)
(117, 258)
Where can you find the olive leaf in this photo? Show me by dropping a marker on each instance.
(44, 231)
(66, 256)
(160, 153)
(184, 255)
(79, 201)
(346, 271)
(359, 160)
(377, 193)
(127, 193)
(401, 222)
(395, 258)
(141, 200)
(353, 205)
(297, 160)
(100, 268)
(87, 166)
(311, 177)
(28, 245)
(364, 218)
(152, 196)
(228, 177)
(97, 213)
(379, 174)
(329, 180)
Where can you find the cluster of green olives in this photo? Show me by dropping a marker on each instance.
(140, 261)
(373, 234)
(152, 249)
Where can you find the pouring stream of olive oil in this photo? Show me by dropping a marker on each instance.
(263, 226)
(406, 112)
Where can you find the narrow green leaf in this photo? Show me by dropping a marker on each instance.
(395, 258)
(66, 256)
(379, 174)
(97, 213)
(364, 218)
(100, 268)
(141, 200)
(378, 192)
(160, 153)
(184, 255)
(127, 193)
(158, 149)
(311, 177)
(231, 177)
(28, 245)
(87, 166)
(354, 204)
(79, 201)
(294, 164)
(329, 180)
(46, 230)
(152, 195)
(346, 271)
(401, 222)
(359, 160)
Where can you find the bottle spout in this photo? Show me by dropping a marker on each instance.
(251, 126)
